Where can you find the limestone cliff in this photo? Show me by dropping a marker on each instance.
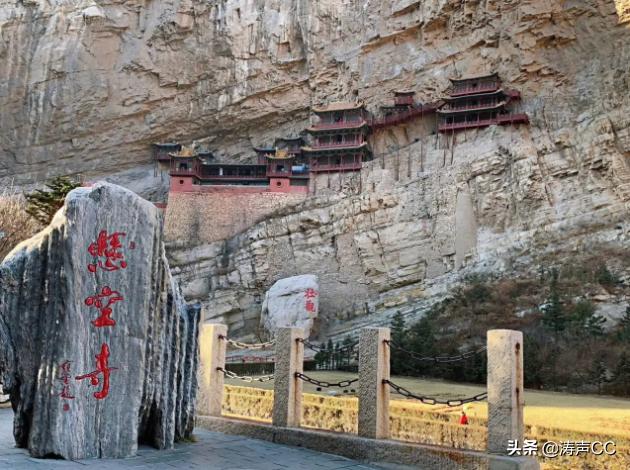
(90, 84)
(87, 85)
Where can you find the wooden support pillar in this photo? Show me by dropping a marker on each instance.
(505, 389)
(287, 390)
(212, 345)
(373, 392)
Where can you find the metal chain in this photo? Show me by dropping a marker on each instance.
(240, 345)
(435, 401)
(323, 384)
(245, 378)
(438, 359)
(316, 348)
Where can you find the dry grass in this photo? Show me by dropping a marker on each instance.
(15, 224)
(548, 416)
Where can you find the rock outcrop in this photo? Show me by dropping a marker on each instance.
(98, 349)
(291, 302)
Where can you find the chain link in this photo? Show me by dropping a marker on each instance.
(323, 384)
(316, 348)
(437, 359)
(245, 378)
(240, 345)
(435, 401)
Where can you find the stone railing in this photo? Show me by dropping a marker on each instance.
(504, 395)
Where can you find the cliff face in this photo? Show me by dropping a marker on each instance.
(87, 85)
(90, 84)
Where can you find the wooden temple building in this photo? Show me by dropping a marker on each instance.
(286, 166)
(338, 138)
(478, 102)
(279, 169)
(162, 151)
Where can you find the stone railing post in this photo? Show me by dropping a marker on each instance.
(373, 393)
(212, 345)
(287, 389)
(505, 389)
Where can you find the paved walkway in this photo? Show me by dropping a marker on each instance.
(212, 451)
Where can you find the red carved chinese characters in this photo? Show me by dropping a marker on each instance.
(64, 377)
(101, 368)
(107, 247)
(107, 254)
(102, 302)
(310, 294)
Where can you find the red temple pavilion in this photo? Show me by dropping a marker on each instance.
(162, 151)
(338, 138)
(287, 166)
(280, 168)
(189, 169)
(478, 102)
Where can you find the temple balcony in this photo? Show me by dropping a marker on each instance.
(279, 173)
(333, 145)
(233, 178)
(183, 172)
(456, 126)
(331, 167)
(339, 125)
(502, 120)
(287, 174)
(454, 109)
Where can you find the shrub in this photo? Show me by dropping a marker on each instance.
(605, 277)
(43, 204)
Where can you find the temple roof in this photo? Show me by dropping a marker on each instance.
(290, 139)
(337, 106)
(479, 77)
(167, 144)
(184, 152)
(473, 110)
(498, 91)
(281, 155)
(336, 129)
(329, 149)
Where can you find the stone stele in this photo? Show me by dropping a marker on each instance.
(98, 350)
(291, 302)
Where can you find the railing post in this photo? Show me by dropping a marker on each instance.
(212, 345)
(287, 389)
(373, 392)
(505, 389)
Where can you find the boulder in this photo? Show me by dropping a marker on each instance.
(98, 350)
(292, 301)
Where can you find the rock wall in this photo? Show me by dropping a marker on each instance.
(98, 349)
(212, 216)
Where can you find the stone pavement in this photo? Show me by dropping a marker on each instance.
(212, 451)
